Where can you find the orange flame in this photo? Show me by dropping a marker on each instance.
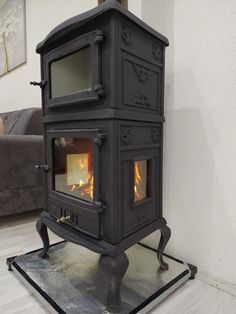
(82, 184)
(85, 187)
(137, 179)
(89, 188)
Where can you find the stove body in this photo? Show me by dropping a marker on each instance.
(103, 111)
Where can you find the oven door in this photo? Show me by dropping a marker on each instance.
(74, 178)
(73, 72)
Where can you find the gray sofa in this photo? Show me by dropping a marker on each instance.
(21, 148)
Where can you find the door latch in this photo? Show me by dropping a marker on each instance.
(42, 167)
(40, 84)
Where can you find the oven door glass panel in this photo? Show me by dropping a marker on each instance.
(73, 167)
(71, 74)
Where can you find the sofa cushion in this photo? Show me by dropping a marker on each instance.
(24, 121)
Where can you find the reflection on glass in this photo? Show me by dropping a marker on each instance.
(71, 74)
(73, 167)
(140, 180)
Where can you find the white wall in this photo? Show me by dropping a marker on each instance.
(135, 6)
(41, 17)
(200, 131)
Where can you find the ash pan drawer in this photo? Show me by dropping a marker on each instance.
(82, 219)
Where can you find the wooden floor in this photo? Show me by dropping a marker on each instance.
(18, 236)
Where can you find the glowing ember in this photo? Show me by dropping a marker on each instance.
(74, 187)
(85, 188)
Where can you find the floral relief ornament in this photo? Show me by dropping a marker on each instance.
(157, 52)
(126, 35)
(156, 135)
(126, 136)
(143, 73)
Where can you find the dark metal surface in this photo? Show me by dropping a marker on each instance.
(67, 232)
(122, 112)
(71, 279)
(165, 236)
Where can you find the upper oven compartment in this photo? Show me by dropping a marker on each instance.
(73, 71)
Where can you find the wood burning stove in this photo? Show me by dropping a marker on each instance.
(102, 96)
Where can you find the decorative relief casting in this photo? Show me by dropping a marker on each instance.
(157, 52)
(143, 73)
(140, 221)
(125, 135)
(156, 135)
(126, 35)
(141, 99)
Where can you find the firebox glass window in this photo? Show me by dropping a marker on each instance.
(73, 167)
(71, 74)
(141, 180)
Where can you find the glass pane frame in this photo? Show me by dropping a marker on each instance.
(83, 96)
(81, 133)
(136, 203)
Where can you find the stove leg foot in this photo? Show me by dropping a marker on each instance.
(43, 233)
(165, 236)
(114, 269)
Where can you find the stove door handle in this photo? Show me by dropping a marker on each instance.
(63, 219)
(41, 84)
(42, 167)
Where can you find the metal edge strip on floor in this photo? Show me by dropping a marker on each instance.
(161, 294)
(144, 307)
(42, 296)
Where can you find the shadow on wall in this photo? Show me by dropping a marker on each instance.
(192, 190)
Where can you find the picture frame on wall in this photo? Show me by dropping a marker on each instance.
(12, 35)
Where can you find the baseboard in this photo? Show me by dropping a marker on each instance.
(221, 284)
(217, 282)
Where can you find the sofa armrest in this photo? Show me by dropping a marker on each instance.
(18, 156)
(32, 121)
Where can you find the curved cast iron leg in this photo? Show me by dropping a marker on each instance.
(165, 235)
(42, 231)
(114, 269)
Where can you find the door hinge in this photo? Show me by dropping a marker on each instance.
(100, 206)
(100, 138)
(99, 90)
(99, 37)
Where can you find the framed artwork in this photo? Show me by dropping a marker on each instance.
(12, 35)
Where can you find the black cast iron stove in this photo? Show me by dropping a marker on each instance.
(102, 95)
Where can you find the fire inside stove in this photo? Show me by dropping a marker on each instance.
(73, 167)
(140, 180)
